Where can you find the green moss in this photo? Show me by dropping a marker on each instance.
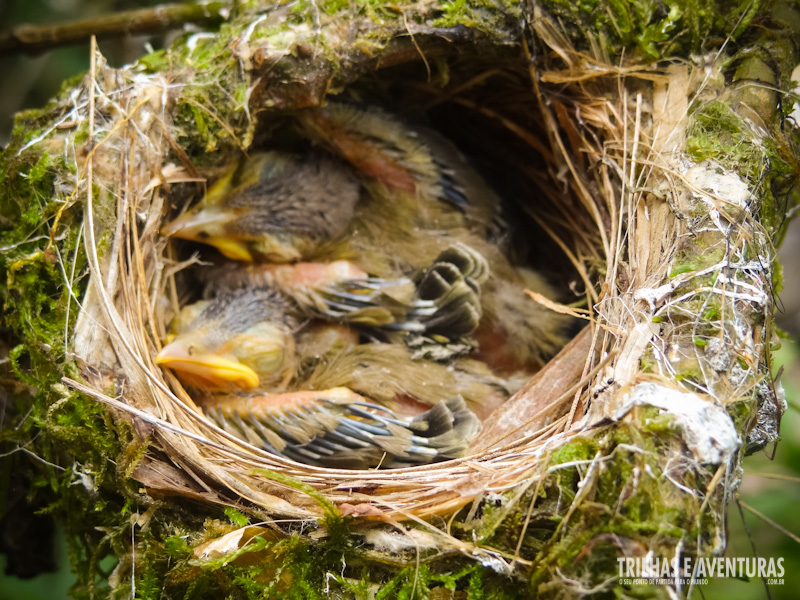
(698, 253)
(236, 517)
(719, 134)
(490, 17)
(660, 424)
(372, 9)
(742, 412)
(628, 500)
(154, 62)
(651, 29)
(296, 568)
(648, 362)
(578, 450)
(42, 277)
(656, 35)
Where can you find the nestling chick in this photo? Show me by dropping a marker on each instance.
(453, 203)
(249, 339)
(310, 200)
(276, 207)
(415, 162)
(237, 341)
(234, 342)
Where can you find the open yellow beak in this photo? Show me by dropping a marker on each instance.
(206, 225)
(207, 370)
(230, 248)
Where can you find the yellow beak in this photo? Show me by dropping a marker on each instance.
(207, 226)
(207, 370)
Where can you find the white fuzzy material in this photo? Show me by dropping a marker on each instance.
(707, 428)
(393, 542)
(710, 181)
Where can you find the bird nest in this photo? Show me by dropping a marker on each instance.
(623, 173)
(134, 294)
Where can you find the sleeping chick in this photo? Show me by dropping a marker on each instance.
(237, 341)
(379, 198)
(244, 349)
(272, 207)
(245, 337)
(437, 309)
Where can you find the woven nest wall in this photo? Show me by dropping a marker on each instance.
(647, 178)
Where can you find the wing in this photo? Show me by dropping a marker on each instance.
(340, 429)
(434, 312)
(437, 311)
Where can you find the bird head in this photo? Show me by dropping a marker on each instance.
(238, 341)
(272, 207)
(214, 225)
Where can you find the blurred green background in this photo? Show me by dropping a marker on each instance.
(31, 81)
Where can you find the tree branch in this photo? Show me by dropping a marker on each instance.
(33, 39)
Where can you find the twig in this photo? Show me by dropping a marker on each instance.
(34, 39)
(774, 476)
(752, 543)
(769, 521)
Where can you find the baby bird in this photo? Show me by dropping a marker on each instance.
(237, 341)
(379, 197)
(453, 202)
(310, 201)
(438, 309)
(257, 371)
(248, 337)
(412, 162)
